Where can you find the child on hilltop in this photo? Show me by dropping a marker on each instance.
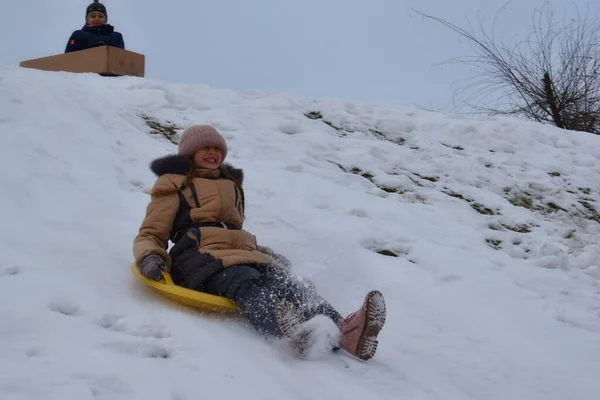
(198, 203)
(96, 31)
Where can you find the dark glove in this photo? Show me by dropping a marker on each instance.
(151, 267)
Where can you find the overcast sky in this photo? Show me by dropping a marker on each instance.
(366, 50)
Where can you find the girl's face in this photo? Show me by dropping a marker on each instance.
(96, 18)
(208, 157)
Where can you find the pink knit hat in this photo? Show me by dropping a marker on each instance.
(198, 136)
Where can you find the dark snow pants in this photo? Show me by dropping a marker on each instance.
(258, 290)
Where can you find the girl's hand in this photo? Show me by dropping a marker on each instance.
(151, 267)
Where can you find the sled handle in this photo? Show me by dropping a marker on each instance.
(167, 277)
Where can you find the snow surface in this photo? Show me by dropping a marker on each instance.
(486, 299)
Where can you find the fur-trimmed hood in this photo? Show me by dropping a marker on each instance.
(176, 164)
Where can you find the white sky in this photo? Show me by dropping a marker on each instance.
(375, 50)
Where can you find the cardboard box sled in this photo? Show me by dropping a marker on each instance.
(104, 60)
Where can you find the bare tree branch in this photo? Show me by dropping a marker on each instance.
(552, 76)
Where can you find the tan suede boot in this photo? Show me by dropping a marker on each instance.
(360, 329)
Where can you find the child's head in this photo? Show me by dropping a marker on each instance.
(204, 145)
(95, 14)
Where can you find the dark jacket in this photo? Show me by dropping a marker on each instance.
(94, 36)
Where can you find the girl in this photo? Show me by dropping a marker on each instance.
(198, 203)
(96, 31)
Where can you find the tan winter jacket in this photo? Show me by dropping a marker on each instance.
(220, 199)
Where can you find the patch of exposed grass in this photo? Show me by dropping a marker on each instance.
(358, 171)
(495, 226)
(428, 178)
(388, 253)
(388, 189)
(317, 115)
(166, 129)
(525, 200)
(460, 148)
(456, 195)
(378, 134)
(590, 211)
(494, 243)
(481, 209)
(520, 228)
(553, 207)
(337, 128)
(367, 175)
(535, 202)
(522, 199)
(420, 198)
(314, 115)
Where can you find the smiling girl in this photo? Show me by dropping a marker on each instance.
(198, 203)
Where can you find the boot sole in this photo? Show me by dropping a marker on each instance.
(375, 316)
(290, 320)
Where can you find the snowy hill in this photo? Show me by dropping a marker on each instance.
(482, 233)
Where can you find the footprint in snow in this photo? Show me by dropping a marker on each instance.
(11, 270)
(390, 247)
(137, 184)
(106, 386)
(290, 128)
(322, 205)
(119, 323)
(35, 351)
(294, 168)
(449, 278)
(358, 212)
(65, 307)
(145, 334)
(143, 350)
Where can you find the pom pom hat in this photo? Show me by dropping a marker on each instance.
(198, 136)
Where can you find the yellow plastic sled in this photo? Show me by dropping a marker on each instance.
(188, 297)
